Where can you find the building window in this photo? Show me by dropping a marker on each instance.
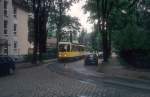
(5, 31)
(5, 26)
(6, 48)
(15, 29)
(15, 44)
(6, 8)
(15, 12)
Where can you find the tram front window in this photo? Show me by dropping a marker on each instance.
(64, 47)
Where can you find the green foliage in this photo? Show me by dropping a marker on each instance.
(51, 34)
(129, 24)
(83, 37)
(127, 31)
(130, 31)
(131, 35)
(96, 42)
(28, 58)
(31, 30)
(61, 23)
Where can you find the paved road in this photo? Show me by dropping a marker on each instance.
(54, 81)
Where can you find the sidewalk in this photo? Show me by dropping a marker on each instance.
(114, 68)
(28, 64)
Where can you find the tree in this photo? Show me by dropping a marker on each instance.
(96, 39)
(83, 37)
(57, 11)
(40, 10)
(31, 29)
(130, 31)
(43, 11)
(70, 26)
(131, 37)
(102, 14)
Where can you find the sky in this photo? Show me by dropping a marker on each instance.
(77, 11)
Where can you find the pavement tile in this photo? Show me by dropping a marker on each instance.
(42, 82)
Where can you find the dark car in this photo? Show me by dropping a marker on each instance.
(91, 59)
(7, 65)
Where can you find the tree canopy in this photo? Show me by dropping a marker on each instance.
(52, 11)
(127, 22)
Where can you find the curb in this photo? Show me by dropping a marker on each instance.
(30, 65)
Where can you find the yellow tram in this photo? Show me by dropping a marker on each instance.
(69, 50)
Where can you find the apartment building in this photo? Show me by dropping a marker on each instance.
(13, 28)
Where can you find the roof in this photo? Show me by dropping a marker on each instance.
(21, 4)
(64, 42)
(71, 43)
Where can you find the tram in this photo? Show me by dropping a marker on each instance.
(68, 50)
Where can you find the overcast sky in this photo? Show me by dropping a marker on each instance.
(77, 11)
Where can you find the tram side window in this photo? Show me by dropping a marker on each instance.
(68, 48)
(64, 48)
(81, 48)
(74, 48)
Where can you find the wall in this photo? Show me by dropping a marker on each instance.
(22, 31)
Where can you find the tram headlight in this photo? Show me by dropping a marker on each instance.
(65, 55)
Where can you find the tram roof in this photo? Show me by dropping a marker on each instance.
(64, 42)
(71, 43)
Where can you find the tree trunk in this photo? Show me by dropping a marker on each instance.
(109, 44)
(42, 34)
(105, 45)
(36, 31)
(104, 30)
(59, 26)
(35, 49)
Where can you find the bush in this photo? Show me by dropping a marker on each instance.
(28, 58)
(51, 53)
(133, 45)
(136, 57)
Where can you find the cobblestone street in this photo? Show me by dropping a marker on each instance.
(42, 82)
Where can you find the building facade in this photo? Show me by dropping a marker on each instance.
(13, 28)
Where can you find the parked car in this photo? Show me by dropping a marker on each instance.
(7, 65)
(91, 59)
